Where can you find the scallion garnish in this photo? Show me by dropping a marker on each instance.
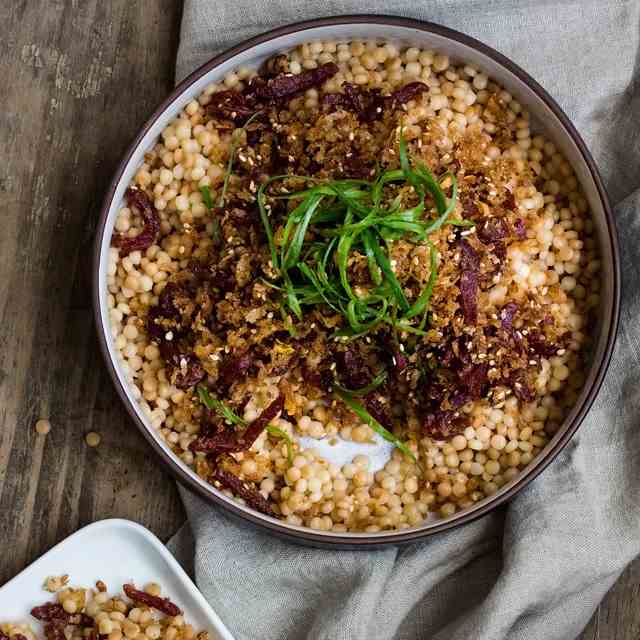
(365, 416)
(334, 223)
(235, 140)
(283, 435)
(206, 197)
(363, 391)
(211, 402)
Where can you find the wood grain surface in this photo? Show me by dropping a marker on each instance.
(80, 77)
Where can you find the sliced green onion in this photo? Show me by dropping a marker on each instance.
(363, 391)
(232, 156)
(211, 402)
(347, 216)
(283, 435)
(461, 223)
(229, 415)
(206, 197)
(385, 265)
(365, 416)
(421, 305)
(264, 216)
(374, 271)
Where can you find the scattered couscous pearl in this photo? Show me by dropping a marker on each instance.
(43, 427)
(92, 439)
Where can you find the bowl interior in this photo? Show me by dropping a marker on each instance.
(545, 120)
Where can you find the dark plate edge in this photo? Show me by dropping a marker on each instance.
(338, 541)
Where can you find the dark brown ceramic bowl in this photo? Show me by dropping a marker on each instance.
(547, 117)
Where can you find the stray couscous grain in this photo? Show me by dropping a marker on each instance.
(92, 439)
(43, 427)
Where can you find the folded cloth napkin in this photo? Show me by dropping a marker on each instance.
(537, 568)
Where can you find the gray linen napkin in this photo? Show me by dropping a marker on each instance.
(537, 568)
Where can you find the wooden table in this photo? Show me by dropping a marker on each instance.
(80, 77)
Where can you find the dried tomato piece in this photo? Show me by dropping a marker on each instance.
(409, 92)
(320, 377)
(441, 425)
(367, 105)
(352, 370)
(469, 294)
(164, 605)
(170, 298)
(475, 379)
(231, 441)
(493, 229)
(225, 442)
(231, 105)
(234, 367)
(469, 259)
(283, 86)
(55, 630)
(252, 432)
(469, 207)
(243, 490)
(507, 314)
(509, 201)
(379, 410)
(50, 612)
(539, 345)
(398, 358)
(189, 371)
(138, 200)
(520, 229)
(520, 386)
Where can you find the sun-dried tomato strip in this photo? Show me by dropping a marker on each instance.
(469, 296)
(234, 441)
(55, 630)
(50, 612)
(82, 620)
(507, 314)
(221, 443)
(252, 432)
(164, 605)
(287, 85)
(137, 199)
(408, 92)
(243, 490)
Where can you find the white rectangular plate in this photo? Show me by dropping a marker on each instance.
(116, 552)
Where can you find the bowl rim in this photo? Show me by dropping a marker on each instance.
(338, 540)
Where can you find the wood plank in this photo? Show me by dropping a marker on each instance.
(618, 616)
(83, 77)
